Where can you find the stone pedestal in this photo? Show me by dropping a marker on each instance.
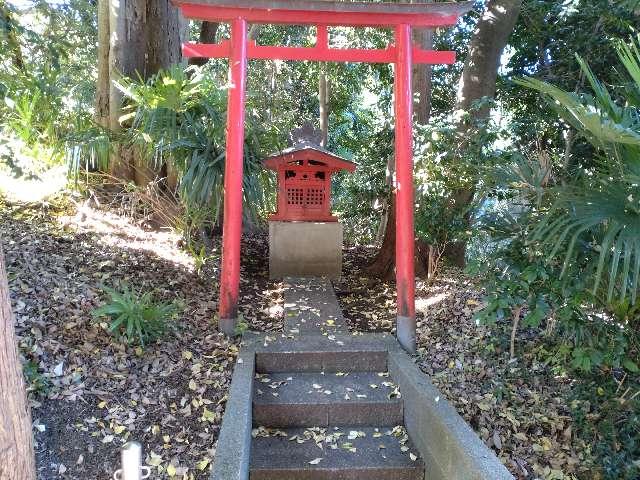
(305, 249)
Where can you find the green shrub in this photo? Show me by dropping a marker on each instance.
(136, 317)
(606, 414)
(36, 382)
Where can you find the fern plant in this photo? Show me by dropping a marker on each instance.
(179, 116)
(136, 317)
(596, 218)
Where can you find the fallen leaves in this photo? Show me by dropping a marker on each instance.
(169, 396)
(518, 409)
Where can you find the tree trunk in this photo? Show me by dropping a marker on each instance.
(323, 97)
(422, 78)
(7, 29)
(16, 441)
(483, 60)
(383, 265)
(254, 31)
(478, 80)
(102, 87)
(145, 36)
(126, 58)
(173, 177)
(208, 33)
(163, 42)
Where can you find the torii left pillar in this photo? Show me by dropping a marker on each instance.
(232, 222)
(405, 237)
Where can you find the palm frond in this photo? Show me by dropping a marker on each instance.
(179, 115)
(596, 219)
(629, 54)
(606, 219)
(589, 118)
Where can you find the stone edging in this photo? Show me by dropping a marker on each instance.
(450, 448)
(232, 456)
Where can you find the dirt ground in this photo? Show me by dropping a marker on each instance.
(90, 393)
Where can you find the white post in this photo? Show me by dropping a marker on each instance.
(131, 457)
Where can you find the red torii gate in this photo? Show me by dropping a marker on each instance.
(321, 13)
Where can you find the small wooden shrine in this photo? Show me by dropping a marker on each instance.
(304, 183)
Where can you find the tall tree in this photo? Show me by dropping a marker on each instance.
(422, 78)
(478, 81)
(208, 33)
(481, 65)
(323, 100)
(16, 441)
(137, 38)
(102, 86)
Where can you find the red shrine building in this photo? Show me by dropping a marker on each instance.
(305, 239)
(304, 183)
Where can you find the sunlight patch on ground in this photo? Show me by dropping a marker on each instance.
(423, 304)
(118, 231)
(33, 190)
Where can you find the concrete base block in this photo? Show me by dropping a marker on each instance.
(305, 249)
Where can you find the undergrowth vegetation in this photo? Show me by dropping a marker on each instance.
(566, 263)
(135, 317)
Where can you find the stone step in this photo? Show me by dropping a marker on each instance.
(314, 399)
(323, 353)
(344, 453)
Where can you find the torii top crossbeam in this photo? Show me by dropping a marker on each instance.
(329, 12)
(321, 13)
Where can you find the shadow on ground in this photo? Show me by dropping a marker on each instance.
(90, 392)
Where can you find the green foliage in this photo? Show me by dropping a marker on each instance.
(447, 163)
(179, 116)
(600, 213)
(87, 148)
(567, 249)
(543, 46)
(136, 317)
(36, 382)
(518, 276)
(241, 326)
(606, 414)
(359, 197)
(199, 255)
(46, 80)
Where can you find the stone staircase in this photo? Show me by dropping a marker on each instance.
(319, 402)
(324, 405)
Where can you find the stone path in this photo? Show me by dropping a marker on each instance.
(324, 404)
(311, 307)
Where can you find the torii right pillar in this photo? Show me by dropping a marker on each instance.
(405, 242)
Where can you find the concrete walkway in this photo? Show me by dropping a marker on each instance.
(311, 307)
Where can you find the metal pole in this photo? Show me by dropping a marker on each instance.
(405, 278)
(232, 223)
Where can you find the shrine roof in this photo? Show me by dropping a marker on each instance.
(309, 152)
